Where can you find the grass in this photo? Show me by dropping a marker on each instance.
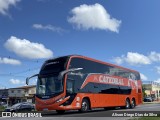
(147, 118)
(151, 102)
(148, 103)
(2, 108)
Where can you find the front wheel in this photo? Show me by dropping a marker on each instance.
(60, 111)
(84, 106)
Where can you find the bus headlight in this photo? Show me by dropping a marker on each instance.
(60, 100)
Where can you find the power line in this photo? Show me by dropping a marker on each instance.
(2, 86)
(20, 72)
(25, 71)
(22, 59)
(9, 75)
(16, 74)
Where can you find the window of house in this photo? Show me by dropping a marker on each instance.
(32, 91)
(19, 91)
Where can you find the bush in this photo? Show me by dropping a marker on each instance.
(2, 108)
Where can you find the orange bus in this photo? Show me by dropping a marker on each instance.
(80, 83)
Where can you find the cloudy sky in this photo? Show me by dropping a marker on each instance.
(125, 33)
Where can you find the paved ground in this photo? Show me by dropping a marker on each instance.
(99, 114)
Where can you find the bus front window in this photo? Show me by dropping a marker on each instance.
(49, 85)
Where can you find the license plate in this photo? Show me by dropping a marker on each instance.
(45, 109)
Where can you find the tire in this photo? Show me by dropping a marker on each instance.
(84, 106)
(133, 103)
(127, 104)
(60, 111)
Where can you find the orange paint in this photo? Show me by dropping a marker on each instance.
(96, 99)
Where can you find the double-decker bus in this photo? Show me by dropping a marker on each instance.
(80, 83)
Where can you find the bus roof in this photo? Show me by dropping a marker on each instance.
(92, 59)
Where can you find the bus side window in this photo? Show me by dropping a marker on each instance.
(70, 86)
(132, 76)
(138, 76)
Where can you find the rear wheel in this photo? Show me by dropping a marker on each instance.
(127, 104)
(133, 103)
(60, 111)
(84, 106)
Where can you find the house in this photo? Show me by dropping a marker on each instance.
(152, 89)
(22, 94)
(3, 95)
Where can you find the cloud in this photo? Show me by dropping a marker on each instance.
(9, 61)
(6, 4)
(158, 69)
(158, 80)
(133, 59)
(154, 56)
(119, 60)
(93, 17)
(143, 77)
(16, 81)
(138, 59)
(48, 27)
(27, 49)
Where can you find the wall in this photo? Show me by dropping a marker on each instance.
(16, 93)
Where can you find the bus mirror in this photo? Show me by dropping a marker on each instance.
(27, 79)
(61, 74)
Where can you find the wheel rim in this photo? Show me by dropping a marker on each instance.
(127, 104)
(133, 103)
(84, 106)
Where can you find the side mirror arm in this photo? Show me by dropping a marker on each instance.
(27, 79)
(61, 74)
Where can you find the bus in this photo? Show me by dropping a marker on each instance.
(81, 83)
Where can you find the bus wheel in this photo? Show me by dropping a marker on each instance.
(127, 104)
(60, 111)
(133, 104)
(84, 106)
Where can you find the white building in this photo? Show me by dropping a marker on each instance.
(21, 94)
(152, 89)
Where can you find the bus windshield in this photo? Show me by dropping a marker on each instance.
(48, 82)
(49, 85)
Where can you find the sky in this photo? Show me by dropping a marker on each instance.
(122, 32)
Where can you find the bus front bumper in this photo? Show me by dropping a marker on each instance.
(57, 106)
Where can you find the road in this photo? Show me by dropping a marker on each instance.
(99, 114)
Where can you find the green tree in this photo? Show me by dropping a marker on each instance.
(143, 90)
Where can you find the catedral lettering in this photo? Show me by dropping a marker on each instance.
(106, 79)
(80, 83)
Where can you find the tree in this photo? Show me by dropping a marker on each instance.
(143, 91)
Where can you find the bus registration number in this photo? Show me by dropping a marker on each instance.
(45, 109)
